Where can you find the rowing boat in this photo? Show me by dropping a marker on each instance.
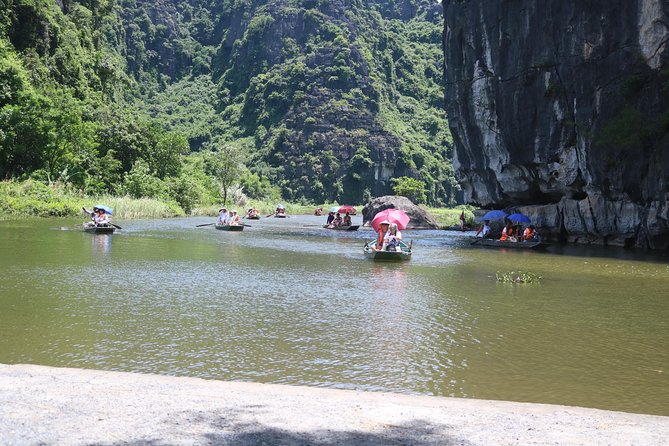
(388, 256)
(459, 229)
(342, 228)
(280, 216)
(253, 217)
(507, 244)
(99, 229)
(230, 227)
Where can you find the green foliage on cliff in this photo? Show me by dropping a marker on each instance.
(323, 100)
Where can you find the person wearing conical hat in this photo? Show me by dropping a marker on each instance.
(223, 216)
(381, 236)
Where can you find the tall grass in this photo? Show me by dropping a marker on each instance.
(451, 217)
(36, 199)
(130, 208)
(266, 207)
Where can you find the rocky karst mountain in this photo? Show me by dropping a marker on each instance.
(560, 109)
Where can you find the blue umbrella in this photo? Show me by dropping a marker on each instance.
(520, 218)
(107, 209)
(494, 215)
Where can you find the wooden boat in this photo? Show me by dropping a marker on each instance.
(280, 216)
(388, 256)
(230, 227)
(253, 217)
(99, 229)
(342, 228)
(459, 229)
(507, 244)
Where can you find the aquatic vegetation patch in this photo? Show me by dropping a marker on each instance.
(517, 277)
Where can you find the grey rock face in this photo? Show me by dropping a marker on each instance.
(420, 218)
(561, 109)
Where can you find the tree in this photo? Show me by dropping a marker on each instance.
(226, 165)
(164, 157)
(411, 188)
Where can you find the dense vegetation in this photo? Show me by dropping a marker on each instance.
(197, 101)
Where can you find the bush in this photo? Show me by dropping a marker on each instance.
(140, 183)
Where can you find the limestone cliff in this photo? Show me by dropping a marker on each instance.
(560, 109)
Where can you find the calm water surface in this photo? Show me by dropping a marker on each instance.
(288, 302)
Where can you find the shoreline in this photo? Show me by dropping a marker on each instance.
(50, 405)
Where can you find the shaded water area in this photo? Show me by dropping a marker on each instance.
(286, 301)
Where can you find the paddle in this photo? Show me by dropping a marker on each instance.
(206, 224)
(248, 226)
(116, 226)
(476, 241)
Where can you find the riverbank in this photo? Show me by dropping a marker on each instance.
(47, 405)
(35, 199)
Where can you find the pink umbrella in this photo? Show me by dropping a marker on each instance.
(396, 216)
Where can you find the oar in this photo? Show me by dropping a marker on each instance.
(206, 224)
(116, 226)
(476, 241)
(248, 226)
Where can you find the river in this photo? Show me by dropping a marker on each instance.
(286, 301)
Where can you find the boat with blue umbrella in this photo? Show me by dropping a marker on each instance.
(100, 223)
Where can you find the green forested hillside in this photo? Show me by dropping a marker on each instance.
(312, 100)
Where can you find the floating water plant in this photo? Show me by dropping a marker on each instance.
(517, 277)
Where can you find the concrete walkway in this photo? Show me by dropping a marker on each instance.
(49, 406)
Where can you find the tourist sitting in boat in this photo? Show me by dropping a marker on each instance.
(484, 230)
(318, 212)
(93, 214)
(280, 211)
(347, 220)
(531, 234)
(381, 236)
(508, 234)
(223, 216)
(234, 219)
(393, 238)
(252, 213)
(331, 217)
(337, 220)
(102, 218)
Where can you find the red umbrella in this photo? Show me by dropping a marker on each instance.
(346, 208)
(396, 216)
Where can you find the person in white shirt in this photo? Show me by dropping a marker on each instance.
(484, 230)
(223, 216)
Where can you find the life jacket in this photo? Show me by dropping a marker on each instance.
(506, 233)
(528, 234)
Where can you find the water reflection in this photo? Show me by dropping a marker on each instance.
(101, 244)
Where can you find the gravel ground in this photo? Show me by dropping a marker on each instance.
(49, 406)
